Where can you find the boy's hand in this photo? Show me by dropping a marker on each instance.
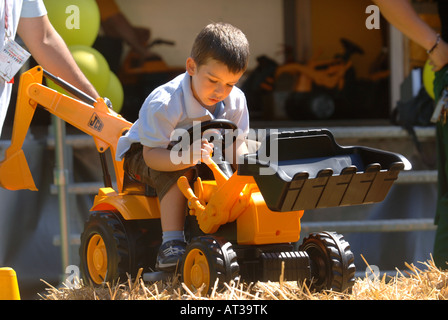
(203, 153)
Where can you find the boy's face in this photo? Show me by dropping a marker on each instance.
(211, 82)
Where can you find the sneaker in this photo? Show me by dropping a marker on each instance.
(169, 255)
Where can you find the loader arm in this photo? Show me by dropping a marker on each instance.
(92, 117)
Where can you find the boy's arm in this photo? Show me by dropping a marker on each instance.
(161, 159)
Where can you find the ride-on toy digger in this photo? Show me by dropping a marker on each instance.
(243, 223)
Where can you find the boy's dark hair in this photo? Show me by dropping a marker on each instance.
(222, 42)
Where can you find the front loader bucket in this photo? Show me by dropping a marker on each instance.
(15, 173)
(313, 171)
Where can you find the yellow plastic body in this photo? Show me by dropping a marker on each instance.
(131, 207)
(9, 287)
(215, 203)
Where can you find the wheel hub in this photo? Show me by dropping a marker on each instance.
(197, 275)
(97, 259)
(197, 269)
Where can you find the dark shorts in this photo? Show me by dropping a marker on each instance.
(161, 181)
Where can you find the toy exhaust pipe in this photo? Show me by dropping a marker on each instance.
(15, 173)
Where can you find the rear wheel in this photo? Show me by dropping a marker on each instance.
(206, 259)
(104, 250)
(332, 261)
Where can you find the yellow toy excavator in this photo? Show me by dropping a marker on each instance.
(243, 223)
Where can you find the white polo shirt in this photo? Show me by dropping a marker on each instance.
(172, 106)
(16, 9)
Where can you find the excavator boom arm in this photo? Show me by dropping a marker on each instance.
(95, 119)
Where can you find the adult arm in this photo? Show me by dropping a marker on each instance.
(402, 15)
(51, 52)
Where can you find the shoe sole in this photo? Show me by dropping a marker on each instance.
(167, 266)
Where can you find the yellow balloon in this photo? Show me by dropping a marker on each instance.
(78, 22)
(428, 79)
(93, 65)
(115, 93)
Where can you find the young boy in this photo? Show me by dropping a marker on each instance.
(206, 91)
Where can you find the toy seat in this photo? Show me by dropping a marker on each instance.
(134, 187)
(310, 170)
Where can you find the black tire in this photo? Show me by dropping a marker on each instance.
(332, 262)
(310, 105)
(105, 249)
(206, 259)
(321, 106)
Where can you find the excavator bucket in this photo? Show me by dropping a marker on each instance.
(15, 173)
(14, 170)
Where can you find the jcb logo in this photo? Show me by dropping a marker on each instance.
(96, 123)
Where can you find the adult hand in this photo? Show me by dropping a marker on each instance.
(439, 57)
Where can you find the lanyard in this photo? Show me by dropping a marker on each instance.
(6, 20)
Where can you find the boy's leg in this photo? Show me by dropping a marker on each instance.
(172, 211)
(172, 204)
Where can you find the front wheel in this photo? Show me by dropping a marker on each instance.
(332, 261)
(206, 259)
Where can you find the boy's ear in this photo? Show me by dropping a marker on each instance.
(191, 66)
